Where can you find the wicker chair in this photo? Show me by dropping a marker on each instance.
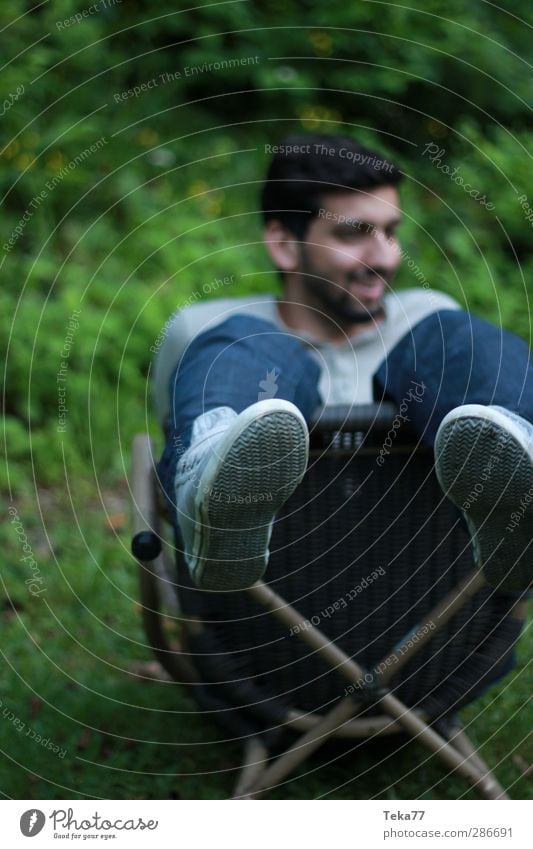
(372, 618)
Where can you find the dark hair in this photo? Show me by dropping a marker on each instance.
(307, 166)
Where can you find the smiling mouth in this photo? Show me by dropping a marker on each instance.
(373, 287)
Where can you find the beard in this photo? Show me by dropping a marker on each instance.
(335, 301)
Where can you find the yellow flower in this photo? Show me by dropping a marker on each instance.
(437, 130)
(321, 42)
(197, 188)
(311, 117)
(213, 206)
(55, 160)
(25, 160)
(11, 150)
(147, 137)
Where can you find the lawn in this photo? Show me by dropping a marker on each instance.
(78, 674)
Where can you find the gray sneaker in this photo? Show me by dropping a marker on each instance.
(230, 482)
(484, 464)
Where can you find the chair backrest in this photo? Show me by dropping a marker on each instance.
(364, 549)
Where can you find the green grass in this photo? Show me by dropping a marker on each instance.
(68, 677)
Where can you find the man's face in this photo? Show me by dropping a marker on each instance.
(350, 254)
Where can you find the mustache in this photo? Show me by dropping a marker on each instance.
(368, 275)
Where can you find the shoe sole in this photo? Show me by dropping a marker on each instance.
(257, 466)
(484, 465)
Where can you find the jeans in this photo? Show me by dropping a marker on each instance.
(457, 357)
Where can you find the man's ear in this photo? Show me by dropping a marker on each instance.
(282, 245)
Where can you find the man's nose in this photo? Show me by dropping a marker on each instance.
(382, 252)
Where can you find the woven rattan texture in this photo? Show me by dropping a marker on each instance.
(363, 551)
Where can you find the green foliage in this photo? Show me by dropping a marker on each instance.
(168, 201)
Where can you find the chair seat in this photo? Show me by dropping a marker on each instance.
(364, 551)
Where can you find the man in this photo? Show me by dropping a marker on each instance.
(243, 376)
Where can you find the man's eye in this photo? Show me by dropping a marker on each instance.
(352, 235)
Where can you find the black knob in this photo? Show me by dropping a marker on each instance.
(146, 545)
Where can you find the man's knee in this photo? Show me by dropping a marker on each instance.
(245, 359)
(244, 335)
(245, 328)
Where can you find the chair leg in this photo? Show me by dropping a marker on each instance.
(253, 767)
(304, 746)
(457, 752)
(488, 784)
(447, 752)
(351, 671)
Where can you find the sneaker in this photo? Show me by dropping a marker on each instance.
(230, 482)
(484, 464)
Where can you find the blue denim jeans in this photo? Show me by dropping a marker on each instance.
(459, 358)
(227, 367)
